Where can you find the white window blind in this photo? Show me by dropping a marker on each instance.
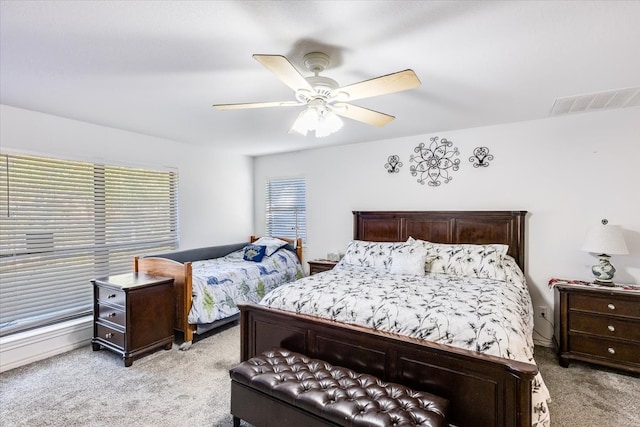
(63, 223)
(286, 208)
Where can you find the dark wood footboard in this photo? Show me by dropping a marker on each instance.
(482, 390)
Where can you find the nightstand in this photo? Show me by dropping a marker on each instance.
(320, 265)
(133, 314)
(597, 324)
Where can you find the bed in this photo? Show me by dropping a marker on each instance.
(483, 388)
(209, 282)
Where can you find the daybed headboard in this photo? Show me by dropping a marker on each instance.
(480, 227)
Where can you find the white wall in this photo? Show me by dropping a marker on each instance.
(215, 199)
(568, 172)
(215, 187)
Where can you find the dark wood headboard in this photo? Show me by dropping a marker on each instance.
(479, 227)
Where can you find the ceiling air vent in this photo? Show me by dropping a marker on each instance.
(621, 98)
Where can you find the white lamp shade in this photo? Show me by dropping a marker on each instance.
(605, 239)
(328, 123)
(316, 119)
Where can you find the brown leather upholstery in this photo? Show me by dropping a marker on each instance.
(337, 394)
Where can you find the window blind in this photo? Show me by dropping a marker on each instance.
(63, 223)
(286, 208)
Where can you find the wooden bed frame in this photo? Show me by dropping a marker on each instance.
(182, 285)
(483, 390)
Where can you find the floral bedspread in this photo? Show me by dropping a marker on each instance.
(219, 284)
(485, 315)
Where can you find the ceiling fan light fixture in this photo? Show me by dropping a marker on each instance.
(328, 123)
(307, 120)
(317, 118)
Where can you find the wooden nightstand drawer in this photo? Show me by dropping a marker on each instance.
(110, 335)
(604, 305)
(607, 327)
(607, 349)
(111, 296)
(113, 315)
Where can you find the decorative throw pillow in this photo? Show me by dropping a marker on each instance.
(467, 260)
(254, 253)
(410, 262)
(272, 244)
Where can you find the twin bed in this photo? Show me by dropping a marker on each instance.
(436, 301)
(209, 282)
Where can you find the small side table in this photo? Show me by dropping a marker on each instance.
(320, 265)
(133, 314)
(597, 324)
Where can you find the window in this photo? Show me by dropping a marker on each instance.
(63, 223)
(286, 208)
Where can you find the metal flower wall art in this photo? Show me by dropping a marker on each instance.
(393, 164)
(481, 157)
(435, 162)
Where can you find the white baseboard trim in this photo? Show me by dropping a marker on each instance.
(30, 346)
(542, 342)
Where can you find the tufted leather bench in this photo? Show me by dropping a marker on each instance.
(282, 388)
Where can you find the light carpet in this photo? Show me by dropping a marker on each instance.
(177, 388)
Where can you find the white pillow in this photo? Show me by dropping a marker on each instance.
(272, 244)
(409, 263)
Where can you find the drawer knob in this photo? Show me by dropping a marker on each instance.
(612, 350)
(114, 295)
(611, 306)
(611, 328)
(114, 315)
(110, 335)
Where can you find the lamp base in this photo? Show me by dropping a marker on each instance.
(603, 270)
(598, 282)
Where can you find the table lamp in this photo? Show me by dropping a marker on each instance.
(604, 240)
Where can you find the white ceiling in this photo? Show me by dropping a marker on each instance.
(156, 67)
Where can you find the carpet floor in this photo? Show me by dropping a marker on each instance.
(176, 388)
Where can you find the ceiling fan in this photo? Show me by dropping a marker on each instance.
(324, 98)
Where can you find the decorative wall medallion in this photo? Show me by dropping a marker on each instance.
(393, 164)
(435, 161)
(481, 157)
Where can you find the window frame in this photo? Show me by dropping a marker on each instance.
(286, 207)
(67, 221)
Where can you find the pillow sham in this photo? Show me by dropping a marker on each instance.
(468, 260)
(381, 255)
(254, 253)
(512, 270)
(272, 244)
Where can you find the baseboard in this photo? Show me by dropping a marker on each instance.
(30, 346)
(543, 342)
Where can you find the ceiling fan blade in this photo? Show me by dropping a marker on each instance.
(284, 70)
(396, 82)
(257, 105)
(361, 114)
